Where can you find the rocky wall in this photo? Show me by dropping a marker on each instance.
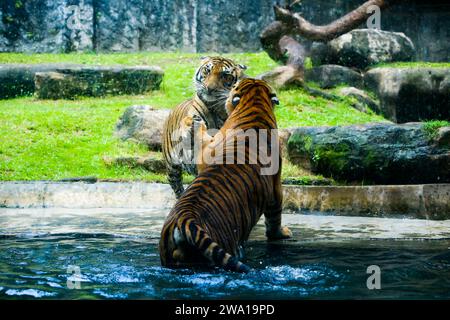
(193, 25)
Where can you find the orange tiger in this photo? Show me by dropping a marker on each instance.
(213, 81)
(215, 215)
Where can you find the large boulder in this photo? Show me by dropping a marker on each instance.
(96, 81)
(142, 124)
(374, 153)
(364, 101)
(331, 75)
(361, 48)
(411, 94)
(152, 163)
(18, 79)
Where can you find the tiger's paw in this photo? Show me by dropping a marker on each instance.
(198, 122)
(186, 126)
(282, 233)
(190, 124)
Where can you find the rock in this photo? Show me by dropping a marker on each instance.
(331, 75)
(443, 137)
(283, 136)
(411, 94)
(361, 48)
(143, 124)
(121, 161)
(33, 26)
(373, 153)
(364, 100)
(120, 24)
(18, 79)
(151, 163)
(200, 26)
(96, 81)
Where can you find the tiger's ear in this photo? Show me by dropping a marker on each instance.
(242, 66)
(274, 100)
(235, 101)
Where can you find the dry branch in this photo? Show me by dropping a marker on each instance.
(277, 40)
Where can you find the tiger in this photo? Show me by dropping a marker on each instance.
(213, 81)
(213, 218)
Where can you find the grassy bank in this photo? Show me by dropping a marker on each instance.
(416, 64)
(43, 139)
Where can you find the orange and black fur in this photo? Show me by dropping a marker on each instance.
(213, 81)
(215, 215)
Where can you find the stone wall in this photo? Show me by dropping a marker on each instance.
(193, 25)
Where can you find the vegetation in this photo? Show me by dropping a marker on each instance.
(431, 127)
(418, 64)
(43, 139)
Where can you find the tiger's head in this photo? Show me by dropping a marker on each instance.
(215, 77)
(247, 88)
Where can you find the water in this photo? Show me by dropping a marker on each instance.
(117, 256)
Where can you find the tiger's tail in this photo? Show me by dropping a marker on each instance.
(197, 237)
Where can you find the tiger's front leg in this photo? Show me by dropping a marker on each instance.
(196, 127)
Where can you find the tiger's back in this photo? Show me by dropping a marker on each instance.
(215, 215)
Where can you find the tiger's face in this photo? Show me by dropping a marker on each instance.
(246, 87)
(215, 77)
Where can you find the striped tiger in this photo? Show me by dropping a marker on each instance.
(215, 215)
(213, 81)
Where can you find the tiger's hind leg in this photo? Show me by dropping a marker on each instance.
(274, 229)
(175, 177)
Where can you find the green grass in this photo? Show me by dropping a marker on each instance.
(297, 108)
(43, 139)
(418, 64)
(431, 127)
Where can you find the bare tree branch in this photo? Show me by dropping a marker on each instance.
(277, 40)
(296, 24)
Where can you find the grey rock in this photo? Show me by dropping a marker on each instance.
(192, 25)
(364, 100)
(47, 26)
(373, 153)
(331, 75)
(443, 137)
(18, 79)
(119, 25)
(411, 94)
(361, 48)
(151, 163)
(143, 124)
(283, 138)
(69, 83)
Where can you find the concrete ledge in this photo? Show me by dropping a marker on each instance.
(39, 194)
(409, 201)
(412, 201)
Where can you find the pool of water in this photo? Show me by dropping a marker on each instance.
(113, 255)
